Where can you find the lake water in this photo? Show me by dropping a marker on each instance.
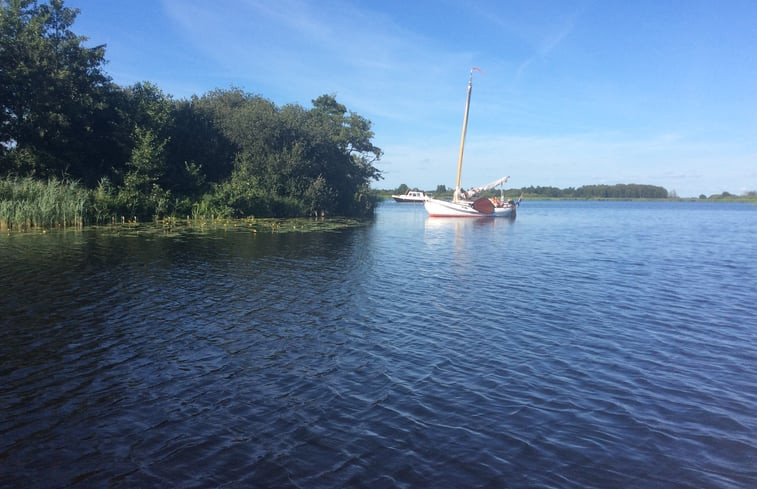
(584, 344)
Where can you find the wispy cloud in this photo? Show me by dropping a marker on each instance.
(288, 49)
(546, 47)
(548, 44)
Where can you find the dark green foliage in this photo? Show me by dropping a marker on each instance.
(143, 192)
(198, 153)
(294, 161)
(56, 116)
(143, 155)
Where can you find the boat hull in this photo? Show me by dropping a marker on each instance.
(443, 208)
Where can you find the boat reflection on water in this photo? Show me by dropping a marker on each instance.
(467, 235)
(434, 223)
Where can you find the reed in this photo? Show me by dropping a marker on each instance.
(26, 203)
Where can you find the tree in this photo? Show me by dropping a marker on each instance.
(54, 98)
(144, 193)
(198, 153)
(290, 160)
(349, 166)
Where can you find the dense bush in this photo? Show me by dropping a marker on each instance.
(144, 155)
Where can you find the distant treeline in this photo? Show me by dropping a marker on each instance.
(139, 153)
(618, 191)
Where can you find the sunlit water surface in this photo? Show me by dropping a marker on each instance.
(581, 345)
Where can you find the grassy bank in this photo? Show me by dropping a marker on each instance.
(26, 203)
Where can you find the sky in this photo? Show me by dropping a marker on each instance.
(570, 92)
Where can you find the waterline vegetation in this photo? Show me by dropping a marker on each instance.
(26, 203)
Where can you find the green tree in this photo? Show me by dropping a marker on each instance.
(292, 160)
(141, 195)
(55, 117)
(349, 165)
(198, 153)
(144, 193)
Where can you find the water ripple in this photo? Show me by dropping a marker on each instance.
(574, 347)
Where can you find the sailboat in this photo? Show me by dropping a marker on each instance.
(463, 203)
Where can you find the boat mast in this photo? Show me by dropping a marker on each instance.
(456, 195)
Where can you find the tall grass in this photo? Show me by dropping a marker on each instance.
(26, 203)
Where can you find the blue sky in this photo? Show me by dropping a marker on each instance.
(572, 92)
